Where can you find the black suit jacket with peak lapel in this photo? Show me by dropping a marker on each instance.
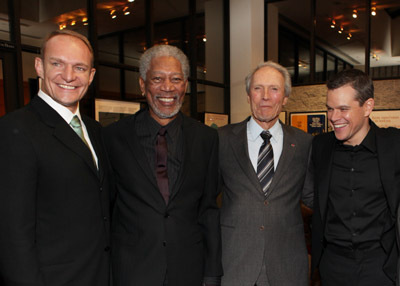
(150, 237)
(387, 143)
(54, 202)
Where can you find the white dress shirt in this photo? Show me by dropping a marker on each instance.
(254, 141)
(67, 115)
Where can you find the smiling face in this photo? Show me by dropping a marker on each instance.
(267, 96)
(349, 120)
(164, 88)
(66, 70)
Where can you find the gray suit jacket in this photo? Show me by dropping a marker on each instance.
(255, 227)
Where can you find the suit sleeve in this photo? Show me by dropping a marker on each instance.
(308, 188)
(18, 172)
(209, 216)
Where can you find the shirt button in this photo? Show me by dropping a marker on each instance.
(101, 189)
(352, 170)
(262, 227)
(166, 215)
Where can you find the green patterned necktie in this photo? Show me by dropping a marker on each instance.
(76, 125)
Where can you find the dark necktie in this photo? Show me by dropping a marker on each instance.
(265, 162)
(161, 163)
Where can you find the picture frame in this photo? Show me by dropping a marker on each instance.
(314, 122)
(215, 120)
(109, 111)
(386, 117)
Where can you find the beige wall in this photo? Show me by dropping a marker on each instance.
(312, 97)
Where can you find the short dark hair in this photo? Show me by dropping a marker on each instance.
(358, 80)
(66, 33)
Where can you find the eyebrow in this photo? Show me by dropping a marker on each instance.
(62, 61)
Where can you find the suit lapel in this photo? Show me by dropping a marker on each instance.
(137, 150)
(63, 132)
(238, 142)
(189, 135)
(324, 173)
(289, 146)
(95, 139)
(385, 152)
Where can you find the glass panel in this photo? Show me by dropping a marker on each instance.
(109, 82)
(134, 46)
(330, 66)
(304, 62)
(4, 25)
(108, 49)
(2, 104)
(29, 76)
(214, 99)
(132, 88)
(385, 40)
(38, 18)
(319, 66)
(287, 50)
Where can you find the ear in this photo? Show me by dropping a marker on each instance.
(368, 106)
(39, 67)
(142, 86)
(91, 76)
(285, 99)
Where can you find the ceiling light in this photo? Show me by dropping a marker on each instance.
(341, 30)
(204, 39)
(131, 0)
(349, 36)
(73, 23)
(333, 24)
(127, 13)
(354, 13)
(113, 16)
(84, 20)
(373, 11)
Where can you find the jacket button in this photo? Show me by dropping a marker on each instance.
(107, 248)
(262, 227)
(266, 202)
(101, 189)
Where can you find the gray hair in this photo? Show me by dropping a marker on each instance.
(279, 68)
(163, 51)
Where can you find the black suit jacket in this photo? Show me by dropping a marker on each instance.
(387, 143)
(150, 236)
(54, 202)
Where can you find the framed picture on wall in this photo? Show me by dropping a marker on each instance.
(215, 120)
(282, 117)
(311, 122)
(109, 111)
(386, 118)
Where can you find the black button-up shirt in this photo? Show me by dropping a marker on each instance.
(357, 206)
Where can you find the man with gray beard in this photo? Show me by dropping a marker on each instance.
(165, 226)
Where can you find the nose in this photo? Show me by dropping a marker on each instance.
(167, 85)
(68, 73)
(334, 115)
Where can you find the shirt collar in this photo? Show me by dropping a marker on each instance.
(63, 111)
(172, 127)
(367, 143)
(255, 130)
